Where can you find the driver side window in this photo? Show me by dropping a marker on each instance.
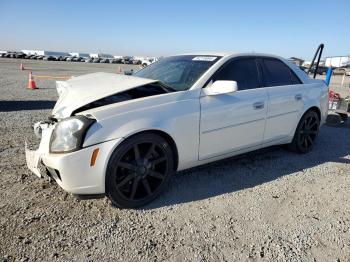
(243, 71)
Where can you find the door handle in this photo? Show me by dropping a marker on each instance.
(298, 97)
(259, 105)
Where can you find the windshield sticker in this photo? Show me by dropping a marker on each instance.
(204, 58)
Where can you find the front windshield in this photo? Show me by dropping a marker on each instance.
(178, 72)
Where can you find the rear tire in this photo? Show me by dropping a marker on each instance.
(306, 133)
(139, 170)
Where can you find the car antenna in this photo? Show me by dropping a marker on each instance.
(319, 52)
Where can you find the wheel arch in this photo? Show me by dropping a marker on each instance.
(294, 145)
(313, 108)
(164, 135)
(308, 109)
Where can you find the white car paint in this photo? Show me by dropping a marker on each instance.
(225, 118)
(73, 93)
(203, 127)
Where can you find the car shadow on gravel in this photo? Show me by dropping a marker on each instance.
(9, 106)
(253, 169)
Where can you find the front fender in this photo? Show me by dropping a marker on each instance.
(179, 119)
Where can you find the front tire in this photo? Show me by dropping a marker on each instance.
(306, 133)
(139, 170)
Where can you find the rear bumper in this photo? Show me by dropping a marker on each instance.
(72, 171)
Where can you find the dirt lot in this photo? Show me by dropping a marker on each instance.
(271, 205)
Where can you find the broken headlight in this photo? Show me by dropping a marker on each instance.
(69, 134)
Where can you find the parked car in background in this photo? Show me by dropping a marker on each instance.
(11, 54)
(49, 58)
(124, 136)
(82, 58)
(118, 60)
(70, 58)
(303, 68)
(66, 57)
(126, 60)
(136, 62)
(88, 59)
(115, 61)
(341, 71)
(347, 70)
(19, 55)
(78, 59)
(28, 56)
(104, 60)
(96, 60)
(148, 61)
(321, 70)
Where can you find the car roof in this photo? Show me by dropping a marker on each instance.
(209, 53)
(230, 54)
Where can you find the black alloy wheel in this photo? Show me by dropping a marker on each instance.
(139, 170)
(306, 133)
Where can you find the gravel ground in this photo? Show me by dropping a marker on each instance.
(270, 205)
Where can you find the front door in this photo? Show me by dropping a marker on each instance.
(234, 121)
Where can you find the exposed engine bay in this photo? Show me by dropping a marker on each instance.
(142, 91)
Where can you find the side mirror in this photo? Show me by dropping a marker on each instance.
(221, 87)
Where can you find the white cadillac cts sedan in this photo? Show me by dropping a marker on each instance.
(123, 136)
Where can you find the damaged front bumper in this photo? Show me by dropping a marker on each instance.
(72, 171)
(33, 157)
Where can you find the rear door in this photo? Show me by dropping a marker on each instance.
(285, 91)
(234, 121)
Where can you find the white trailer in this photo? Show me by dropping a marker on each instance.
(34, 52)
(105, 56)
(337, 61)
(99, 55)
(80, 54)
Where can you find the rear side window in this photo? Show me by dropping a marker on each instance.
(243, 71)
(295, 79)
(276, 73)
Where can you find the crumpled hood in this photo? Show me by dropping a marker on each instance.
(82, 90)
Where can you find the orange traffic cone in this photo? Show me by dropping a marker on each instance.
(31, 83)
(21, 67)
(120, 71)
